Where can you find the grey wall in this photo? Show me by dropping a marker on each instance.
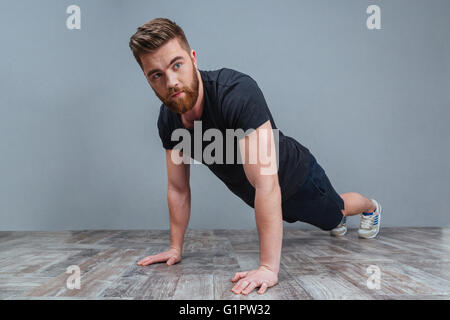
(79, 147)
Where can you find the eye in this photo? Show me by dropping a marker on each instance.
(155, 75)
(178, 64)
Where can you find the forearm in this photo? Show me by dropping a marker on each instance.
(269, 223)
(179, 209)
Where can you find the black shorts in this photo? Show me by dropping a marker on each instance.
(316, 202)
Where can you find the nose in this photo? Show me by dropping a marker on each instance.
(172, 83)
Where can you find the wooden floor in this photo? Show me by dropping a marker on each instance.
(414, 263)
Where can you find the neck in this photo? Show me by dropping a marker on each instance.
(196, 112)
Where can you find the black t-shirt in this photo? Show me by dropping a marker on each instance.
(233, 100)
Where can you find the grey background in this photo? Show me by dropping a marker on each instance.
(79, 147)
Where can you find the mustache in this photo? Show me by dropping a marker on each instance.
(172, 92)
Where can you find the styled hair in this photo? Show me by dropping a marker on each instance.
(155, 33)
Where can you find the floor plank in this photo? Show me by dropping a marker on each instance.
(414, 263)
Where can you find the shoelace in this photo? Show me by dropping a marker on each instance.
(367, 221)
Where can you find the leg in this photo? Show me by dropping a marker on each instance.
(355, 203)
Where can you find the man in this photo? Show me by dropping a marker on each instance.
(298, 190)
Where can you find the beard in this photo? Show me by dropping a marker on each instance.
(187, 101)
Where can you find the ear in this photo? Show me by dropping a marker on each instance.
(193, 58)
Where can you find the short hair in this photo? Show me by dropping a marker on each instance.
(155, 33)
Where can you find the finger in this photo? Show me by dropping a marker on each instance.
(142, 261)
(154, 259)
(240, 286)
(263, 288)
(236, 276)
(239, 275)
(146, 261)
(250, 288)
(171, 260)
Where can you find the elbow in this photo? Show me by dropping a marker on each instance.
(178, 189)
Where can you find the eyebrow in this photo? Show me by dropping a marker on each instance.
(171, 61)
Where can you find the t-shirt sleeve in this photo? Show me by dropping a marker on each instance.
(164, 131)
(244, 106)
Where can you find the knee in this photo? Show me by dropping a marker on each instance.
(344, 197)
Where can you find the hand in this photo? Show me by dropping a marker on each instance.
(263, 277)
(171, 256)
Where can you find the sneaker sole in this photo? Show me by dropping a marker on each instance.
(379, 224)
(339, 234)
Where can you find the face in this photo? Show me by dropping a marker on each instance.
(171, 70)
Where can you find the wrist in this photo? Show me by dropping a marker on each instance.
(268, 268)
(176, 248)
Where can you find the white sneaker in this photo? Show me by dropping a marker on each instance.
(370, 222)
(341, 228)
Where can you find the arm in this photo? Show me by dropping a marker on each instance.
(264, 178)
(269, 223)
(268, 214)
(179, 201)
